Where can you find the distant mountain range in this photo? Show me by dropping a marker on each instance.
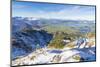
(20, 23)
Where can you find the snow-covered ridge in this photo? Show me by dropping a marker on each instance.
(45, 56)
(51, 55)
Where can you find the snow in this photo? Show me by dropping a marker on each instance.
(52, 55)
(43, 56)
(66, 55)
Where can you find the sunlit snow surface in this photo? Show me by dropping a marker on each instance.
(45, 56)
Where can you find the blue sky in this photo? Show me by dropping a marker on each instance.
(53, 11)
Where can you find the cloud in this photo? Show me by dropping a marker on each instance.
(21, 6)
(74, 13)
(63, 12)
